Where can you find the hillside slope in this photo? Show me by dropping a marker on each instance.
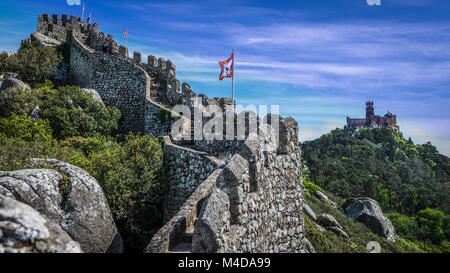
(410, 182)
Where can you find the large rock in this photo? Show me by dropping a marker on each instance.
(13, 82)
(94, 94)
(71, 198)
(9, 75)
(43, 39)
(321, 196)
(309, 212)
(339, 232)
(368, 211)
(328, 220)
(320, 228)
(23, 229)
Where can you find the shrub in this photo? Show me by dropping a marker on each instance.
(23, 127)
(310, 186)
(431, 223)
(130, 175)
(405, 226)
(3, 64)
(74, 112)
(17, 100)
(34, 62)
(15, 152)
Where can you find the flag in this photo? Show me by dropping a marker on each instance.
(89, 19)
(227, 68)
(125, 34)
(82, 9)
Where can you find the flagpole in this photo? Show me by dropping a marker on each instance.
(82, 12)
(232, 85)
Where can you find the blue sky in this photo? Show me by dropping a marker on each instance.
(319, 60)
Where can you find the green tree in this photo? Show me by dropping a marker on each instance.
(130, 175)
(431, 222)
(74, 112)
(405, 226)
(3, 62)
(23, 127)
(17, 100)
(33, 62)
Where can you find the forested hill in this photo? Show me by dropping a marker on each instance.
(376, 163)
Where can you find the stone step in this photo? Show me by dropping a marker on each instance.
(187, 238)
(182, 248)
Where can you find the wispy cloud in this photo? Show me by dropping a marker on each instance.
(73, 2)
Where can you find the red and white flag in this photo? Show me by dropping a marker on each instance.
(125, 34)
(227, 68)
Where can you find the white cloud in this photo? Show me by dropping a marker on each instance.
(73, 2)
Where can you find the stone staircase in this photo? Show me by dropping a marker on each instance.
(82, 37)
(185, 244)
(188, 142)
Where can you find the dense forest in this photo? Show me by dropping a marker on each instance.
(410, 182)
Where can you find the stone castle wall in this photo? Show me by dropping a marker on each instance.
(185, 170)
(120, 83)
(249, 200)
(262, 191)
(255, 204)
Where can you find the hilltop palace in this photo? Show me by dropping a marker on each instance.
(371, 120)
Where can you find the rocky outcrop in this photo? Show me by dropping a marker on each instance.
(320, 228)
(328, 220)
(321, 196)
(368, 211)
(68, 196)
(13, 82)
(331, 224)
(309, 212)
(339, 232)
(94, 94)
(44, 40)
(23, 229)
(9, 75)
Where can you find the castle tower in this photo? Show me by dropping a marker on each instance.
(370, 113)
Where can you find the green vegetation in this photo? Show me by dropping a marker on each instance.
(429, 230)
(78, 129)
(310, 186)
(130, 173)
(32, 62)
(70, 110)
(17, 101)
(360, 235)
(410, 181)
(74, 112)
(401, 176)
(23, 127)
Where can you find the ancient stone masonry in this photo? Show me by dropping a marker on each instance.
(119, 83)
(186, 169)
(254, 205)
(224, 195)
